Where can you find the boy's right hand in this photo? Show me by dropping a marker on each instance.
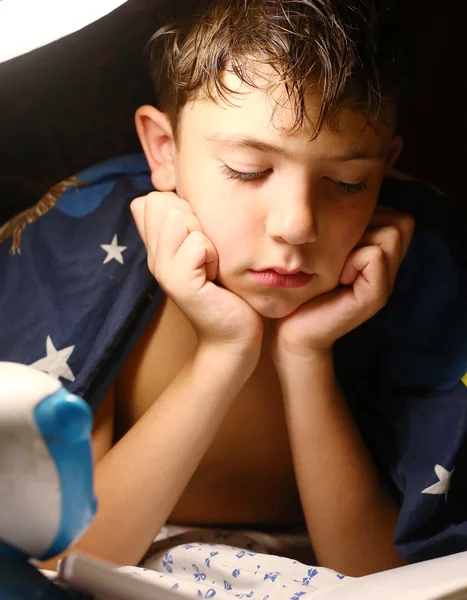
(185, 263)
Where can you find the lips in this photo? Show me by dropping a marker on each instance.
(282, 271)
(281, 278)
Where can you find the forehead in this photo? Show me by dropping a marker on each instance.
(267, 113)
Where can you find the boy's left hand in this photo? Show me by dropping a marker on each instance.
(367, 280)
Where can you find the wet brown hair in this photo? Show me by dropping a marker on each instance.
(347, 47)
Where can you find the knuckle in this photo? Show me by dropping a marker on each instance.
(136, 202)
(405, 222)
(408, 223)
(173, 213)
(179, 214)
(174, 217)
(393, 232)
(378, 253)
(196, 237)
(392, 237)
(137, 209)
(152, 199)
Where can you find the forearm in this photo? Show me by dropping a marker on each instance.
(351, 518)
(139, 481)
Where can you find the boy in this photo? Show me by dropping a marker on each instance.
(304, 365)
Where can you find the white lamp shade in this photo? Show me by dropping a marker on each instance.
(28, 24)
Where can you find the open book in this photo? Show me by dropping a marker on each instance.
(440, 579)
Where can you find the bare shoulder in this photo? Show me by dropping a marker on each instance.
(165, 346)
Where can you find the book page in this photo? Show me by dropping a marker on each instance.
(439, 579)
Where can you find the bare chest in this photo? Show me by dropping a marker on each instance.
(246, 476)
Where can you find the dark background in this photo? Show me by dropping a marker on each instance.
(69, 105)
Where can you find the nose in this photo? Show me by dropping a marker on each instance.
(293, 220)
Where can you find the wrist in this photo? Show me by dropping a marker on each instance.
(305, 376)
(307, 359)
(224, 360)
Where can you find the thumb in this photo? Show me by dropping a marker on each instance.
(138, 209)
(349, 272)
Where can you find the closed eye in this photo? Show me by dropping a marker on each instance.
(244, 176)
(350, 188)
(247, 176)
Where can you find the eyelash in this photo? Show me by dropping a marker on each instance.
(350, 188)
(342, 186)
(240, 176)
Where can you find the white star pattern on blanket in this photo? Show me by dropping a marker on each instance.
(55, 362)
(114, 251)
(442, 486)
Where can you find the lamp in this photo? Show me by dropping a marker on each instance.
(29, 24)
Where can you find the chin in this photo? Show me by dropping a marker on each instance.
(272, 308)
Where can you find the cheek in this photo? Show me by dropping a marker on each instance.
(225, 219)
(353, 223)
(344, 230)
(218, 230)
(231, 232)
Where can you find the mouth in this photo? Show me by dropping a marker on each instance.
(280, 278)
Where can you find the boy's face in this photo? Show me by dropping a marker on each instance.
(301, 206)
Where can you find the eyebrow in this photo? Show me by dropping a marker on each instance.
(261, 146)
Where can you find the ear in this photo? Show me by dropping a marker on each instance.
(156, 137)
(395, 150)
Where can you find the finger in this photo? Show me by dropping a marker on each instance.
(147, 212)
(384, 215)
(405, 225)
(382, 212)
(137, 208)
(390, 240)
(176, 226)
(156, 206)
(196, 260)
(366, 269)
